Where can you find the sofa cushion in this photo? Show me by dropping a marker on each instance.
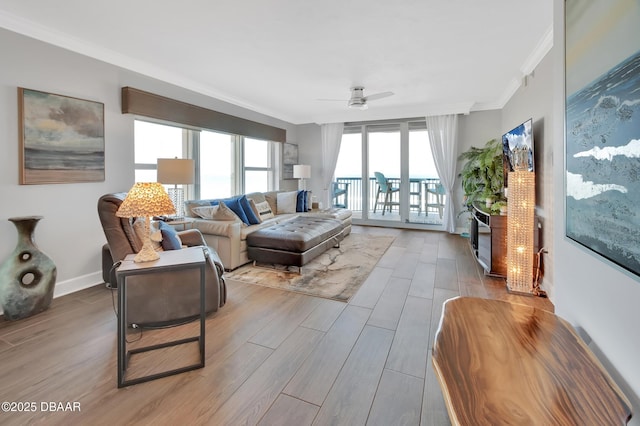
(205, 212)
(170, 238)
(264, 210)
(301, 201)
(234, 205)
(287, 202)
(257, 197)
(252, 218)
(220, 228)
(192, 204)
(226, 214)
(272, 198)
(296, 235)
(218, 212)
(308, 200)
(306, 204)
(266, 223)
(334, 213)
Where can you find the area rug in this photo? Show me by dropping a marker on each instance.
(336, 274)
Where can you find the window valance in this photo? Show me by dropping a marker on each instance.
(150, 105)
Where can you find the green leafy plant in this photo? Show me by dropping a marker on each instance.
(496, 208)
(482, 175)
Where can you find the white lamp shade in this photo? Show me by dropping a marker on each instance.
(301, 171)
(176, 171)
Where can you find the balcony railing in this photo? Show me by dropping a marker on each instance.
(349, 193)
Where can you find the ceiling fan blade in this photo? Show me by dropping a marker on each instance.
(378, 96)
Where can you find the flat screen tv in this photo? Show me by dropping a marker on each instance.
(515, 141)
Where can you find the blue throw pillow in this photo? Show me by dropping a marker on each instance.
(234, 204)
(170, 238)
(248, 211)
(301, 202)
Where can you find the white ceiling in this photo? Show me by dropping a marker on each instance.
(278, 57)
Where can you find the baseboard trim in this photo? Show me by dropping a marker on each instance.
(76, 284)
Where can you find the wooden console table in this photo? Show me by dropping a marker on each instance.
(507, 364)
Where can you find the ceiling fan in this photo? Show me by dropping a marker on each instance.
(358, 100)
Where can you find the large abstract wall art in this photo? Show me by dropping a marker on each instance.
(603, 128)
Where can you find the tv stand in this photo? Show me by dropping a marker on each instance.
(488, 239)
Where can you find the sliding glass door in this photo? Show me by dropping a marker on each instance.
(386, 175)
(384, 172)
(426, 194)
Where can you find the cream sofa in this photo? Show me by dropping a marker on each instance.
(229, 238)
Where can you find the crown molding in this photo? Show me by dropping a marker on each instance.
(50, 36)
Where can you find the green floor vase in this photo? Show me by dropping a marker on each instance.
(28, 276)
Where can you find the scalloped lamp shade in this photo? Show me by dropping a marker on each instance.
(146, 199)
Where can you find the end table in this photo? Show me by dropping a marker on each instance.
(171, 260)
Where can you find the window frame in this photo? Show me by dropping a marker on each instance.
(191, 149)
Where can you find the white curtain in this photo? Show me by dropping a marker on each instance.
(331, 134)
(443, 137)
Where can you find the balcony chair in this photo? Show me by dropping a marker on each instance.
(339, 189)
(384, 188)
(180, 290)
(435, 198)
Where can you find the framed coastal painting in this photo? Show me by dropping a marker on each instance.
(61, 138)
(289, 159)
(602, 138)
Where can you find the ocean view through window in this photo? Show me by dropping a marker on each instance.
(402, 153)
(225, 164)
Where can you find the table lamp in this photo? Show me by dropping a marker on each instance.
(176, 171)
(302, 172)
(146, 199)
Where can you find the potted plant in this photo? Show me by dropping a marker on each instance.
(482, 175)
(499, 207)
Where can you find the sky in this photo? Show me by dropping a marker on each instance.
(384, 155)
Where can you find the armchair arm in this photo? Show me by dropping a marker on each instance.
(215, 259)
(191, 237)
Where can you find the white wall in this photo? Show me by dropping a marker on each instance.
(475, 129)
(590, 292)
(70, 232)
(310, 152)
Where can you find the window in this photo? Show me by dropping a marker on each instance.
(153, 141)
(258, 172)
(217, 165)
(225, 164)
(401, 152)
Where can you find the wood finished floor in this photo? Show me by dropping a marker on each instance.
(272, 357)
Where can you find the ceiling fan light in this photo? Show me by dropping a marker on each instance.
(358, 104)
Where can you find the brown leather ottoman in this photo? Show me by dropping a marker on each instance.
(294, 242)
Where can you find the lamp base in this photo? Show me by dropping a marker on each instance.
(147, 253)
(535, 290)
(177, 198)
